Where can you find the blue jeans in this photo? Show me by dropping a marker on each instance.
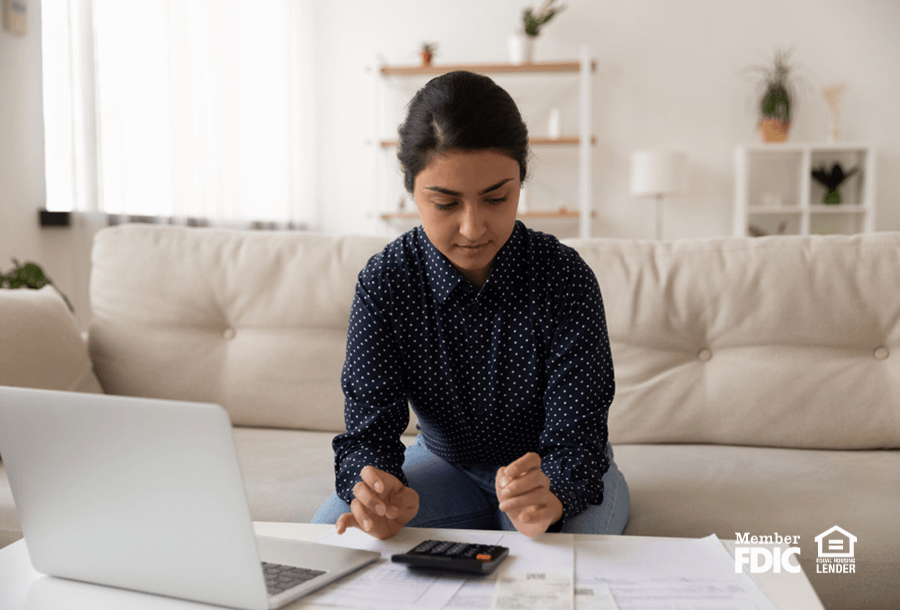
(462, 497)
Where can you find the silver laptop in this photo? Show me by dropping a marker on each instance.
(147, 495)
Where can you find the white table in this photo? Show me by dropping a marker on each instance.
(21, 587)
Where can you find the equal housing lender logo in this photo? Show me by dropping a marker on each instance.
(836, 552)
(836, 548)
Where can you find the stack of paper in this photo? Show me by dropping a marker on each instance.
(552, 573)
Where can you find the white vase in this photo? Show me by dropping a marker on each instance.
(521, 48)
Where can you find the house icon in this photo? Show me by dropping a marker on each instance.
(837, 541)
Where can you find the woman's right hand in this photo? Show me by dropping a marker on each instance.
(382, 505)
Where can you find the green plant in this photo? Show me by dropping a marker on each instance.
(29, 275)
(534, 20)
(429, 47)
(832, 180)
(778, 91)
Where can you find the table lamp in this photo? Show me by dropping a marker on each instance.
(657, 173)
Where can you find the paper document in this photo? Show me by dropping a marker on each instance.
(390, 586)
(667, 574)
(550, 572)
(523, 591)
(594, 597)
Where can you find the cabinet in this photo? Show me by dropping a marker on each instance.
(546, 197)
(776, 194)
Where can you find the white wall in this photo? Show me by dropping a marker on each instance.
(64, 254)
(667, 76)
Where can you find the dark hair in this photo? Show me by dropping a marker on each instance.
(460, 111)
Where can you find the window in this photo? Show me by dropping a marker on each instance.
(182, 108)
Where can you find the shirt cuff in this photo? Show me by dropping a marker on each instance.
(573, 499)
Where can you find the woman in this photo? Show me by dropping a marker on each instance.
(495, 334)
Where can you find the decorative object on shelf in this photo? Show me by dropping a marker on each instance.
(521, 44)
(832, 181)
(553, 123)
(30, 275)
(657, 173)
(833, 97)
(755, 231)
(777, 97)
(770, 200)
(427, 53)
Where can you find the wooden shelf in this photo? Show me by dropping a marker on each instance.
(549, 214)
(542, 141)
(529, 68)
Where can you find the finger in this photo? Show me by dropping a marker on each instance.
(527, 482)
(364, 494)
(501, 479)
(344, 521)
(364, 520)
(527, 462)
(534, 498)
(374, 478)
(407, 503)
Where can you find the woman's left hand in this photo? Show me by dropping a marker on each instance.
(524, 494)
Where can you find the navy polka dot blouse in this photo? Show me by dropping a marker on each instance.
(522, 365)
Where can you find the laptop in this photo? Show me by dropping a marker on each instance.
(147, 494)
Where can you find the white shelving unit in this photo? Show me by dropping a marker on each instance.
(775, 192)
(388, 114)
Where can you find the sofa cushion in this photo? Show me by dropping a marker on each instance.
(40, 346)
(697, 490)
(779, 341)
(255, 321)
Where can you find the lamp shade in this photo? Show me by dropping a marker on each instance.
(658, 172)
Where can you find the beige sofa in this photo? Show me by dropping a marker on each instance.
(758, 381)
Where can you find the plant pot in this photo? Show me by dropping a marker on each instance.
(774, 130)
(832, 197)
(426, 58)
(521, 48)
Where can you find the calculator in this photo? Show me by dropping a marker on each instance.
(458, 556)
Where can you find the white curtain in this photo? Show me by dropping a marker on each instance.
(180, 108)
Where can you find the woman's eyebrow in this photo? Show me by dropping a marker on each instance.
(441, 189)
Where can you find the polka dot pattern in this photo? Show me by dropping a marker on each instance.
(522, 365)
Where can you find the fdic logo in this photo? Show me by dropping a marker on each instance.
(761, 559)
(836, 550)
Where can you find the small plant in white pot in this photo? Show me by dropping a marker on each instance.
(521, 44)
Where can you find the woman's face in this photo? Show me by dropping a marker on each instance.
(468, 201)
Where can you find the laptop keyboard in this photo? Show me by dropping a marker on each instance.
(280, 578)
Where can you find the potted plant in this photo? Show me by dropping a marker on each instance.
(776, 101)
(832, 181)
(29, 275)
(427, 52)
(521, 45)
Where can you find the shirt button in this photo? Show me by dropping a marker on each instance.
(704, 355)
(477, 358)
(474, 308)
(572, 495)
(228, 333)
(882, 353)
